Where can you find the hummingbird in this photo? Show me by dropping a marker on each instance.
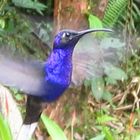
(43, 82)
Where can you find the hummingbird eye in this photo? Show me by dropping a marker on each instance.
(67, 34)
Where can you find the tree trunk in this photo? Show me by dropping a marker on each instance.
(70, 14)
(99, 10)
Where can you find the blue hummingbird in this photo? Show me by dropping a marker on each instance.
(42, 82)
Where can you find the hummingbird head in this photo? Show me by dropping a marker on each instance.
(69, 38)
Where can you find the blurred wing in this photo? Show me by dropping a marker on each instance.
(22, 74)
(91, 55)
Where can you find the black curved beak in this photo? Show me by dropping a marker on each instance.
(82, 33)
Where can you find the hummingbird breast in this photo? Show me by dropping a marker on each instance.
(58, 71)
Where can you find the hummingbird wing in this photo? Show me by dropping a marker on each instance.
(91, 56)
(24, 74)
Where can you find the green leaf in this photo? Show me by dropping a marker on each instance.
(10, 27)
(99, 137)
(137, 137)
(109, 80)
(5, 133)
(107, 133)
(104, 118)
(94, 22)
(54, 130)
(30, 4)
(2, 23)
(97, 87)
(135, 6)
(114, 10)
(114, 72)
(107, 96)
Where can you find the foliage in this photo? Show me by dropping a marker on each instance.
(5, 133)
(16, 32)
(97, 87)
(119, 14)
(114, 10)
(31, 4)
(128, 22)
(114, 73)
(131, 18)
(94, 22)
(54, 130)
(112, 18)
(99, 137)
(133, 62)
(122, 13)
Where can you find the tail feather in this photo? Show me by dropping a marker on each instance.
(27, 131)
(34, 108)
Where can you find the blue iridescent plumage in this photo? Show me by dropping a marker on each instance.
(58, 71)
